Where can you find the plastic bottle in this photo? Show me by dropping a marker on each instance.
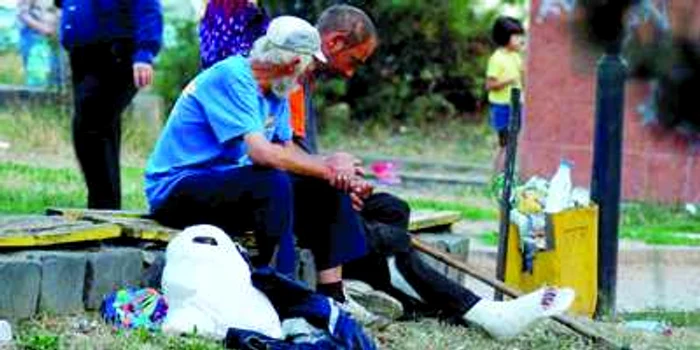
(559, 192)
(5, 333)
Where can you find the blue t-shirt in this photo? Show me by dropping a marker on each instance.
(205, 130)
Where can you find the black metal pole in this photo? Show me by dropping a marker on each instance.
(511, 151)
(607, 169)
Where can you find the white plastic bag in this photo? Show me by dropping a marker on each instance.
(559, 192)
(208, 287)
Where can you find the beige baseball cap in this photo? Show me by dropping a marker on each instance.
(297, 35)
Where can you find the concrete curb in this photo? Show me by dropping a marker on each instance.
(64, 282)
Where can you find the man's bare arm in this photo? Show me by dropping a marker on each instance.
(263, 152)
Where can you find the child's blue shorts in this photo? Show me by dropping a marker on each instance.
(500, 114)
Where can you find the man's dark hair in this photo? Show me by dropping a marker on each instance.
(347, 19)
(504, 28)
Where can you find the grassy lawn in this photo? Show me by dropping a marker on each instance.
(28, 189)
(675, 319)
(468, 212)
(87, 332)
(11, 69)
(453, 141)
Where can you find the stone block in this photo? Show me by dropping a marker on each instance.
(20, 283)
(62, 282)
(455, 244)
(108, 270)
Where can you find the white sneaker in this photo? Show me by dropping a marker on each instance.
(361, 314)
(375, 301)
(506, 319)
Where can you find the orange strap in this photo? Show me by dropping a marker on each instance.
(297, 109)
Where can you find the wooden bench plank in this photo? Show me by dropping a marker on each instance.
(41, 231)
(420, 219)
(135, 227)
(423, 220)
(133, 224)
(79, 213)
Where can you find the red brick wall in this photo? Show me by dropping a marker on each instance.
(658, 165)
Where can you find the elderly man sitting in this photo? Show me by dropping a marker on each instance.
(226, 158)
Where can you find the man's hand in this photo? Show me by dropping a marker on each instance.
(360, 190)
(143, 74)
(346, 167)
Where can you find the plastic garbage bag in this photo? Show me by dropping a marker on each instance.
(208, 286)
(559, 192)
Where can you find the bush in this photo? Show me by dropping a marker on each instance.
(431, 59)
(430, 64)
(429, 109)
(178, 62)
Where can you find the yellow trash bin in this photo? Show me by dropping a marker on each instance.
(573, 262)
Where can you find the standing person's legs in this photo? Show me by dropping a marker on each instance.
(238, 200)
(326, 223)
(103, 87)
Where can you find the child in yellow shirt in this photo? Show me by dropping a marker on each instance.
(504, 71)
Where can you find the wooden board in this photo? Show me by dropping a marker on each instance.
(69, 225)
(41, 231)
(423, 220)
(135, 227)
(80, 213)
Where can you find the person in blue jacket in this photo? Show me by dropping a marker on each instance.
(111, 46)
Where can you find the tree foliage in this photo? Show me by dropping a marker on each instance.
(430, 63)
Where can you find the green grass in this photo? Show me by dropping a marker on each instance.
(30, 189)
(45, 333)
(46, 130)
(11, 69)
(676, 319)
(63, 333)
(489, 238)
(467, 211)
(659, 224)
(454, 141)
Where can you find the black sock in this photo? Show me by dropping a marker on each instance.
(333, 290)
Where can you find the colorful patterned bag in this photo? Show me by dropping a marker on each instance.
(133, 308)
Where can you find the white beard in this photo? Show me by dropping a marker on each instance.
(283, 86)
